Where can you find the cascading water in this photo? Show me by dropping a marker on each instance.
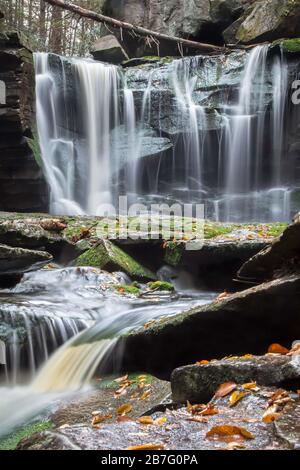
(169, 131)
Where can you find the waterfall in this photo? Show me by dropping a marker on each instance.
(105, 131)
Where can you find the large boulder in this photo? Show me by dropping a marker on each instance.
(108, 49)
(269, 20)
(281, 257)
(19, 260)
(106, 255)
(197, 383)
(245, 322)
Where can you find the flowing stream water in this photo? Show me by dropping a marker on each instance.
(101, 127)
(43, 317)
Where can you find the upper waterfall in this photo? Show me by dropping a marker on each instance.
(199, 129)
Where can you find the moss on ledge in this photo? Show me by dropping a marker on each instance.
(289, 45)
(11, 441)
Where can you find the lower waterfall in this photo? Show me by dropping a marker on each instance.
(205, 129)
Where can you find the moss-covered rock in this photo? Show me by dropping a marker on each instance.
(131, 289)
(289, 45)
(161, 286)
(11, 441)
(106, 255)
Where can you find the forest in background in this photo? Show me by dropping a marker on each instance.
(51, 29)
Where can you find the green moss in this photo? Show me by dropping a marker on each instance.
(276, 229)
(35, 147)
(125, 289)
(212, 230)
(173, 253)
(289, 45)
(11, 441)
(111, 257)
(161, 286)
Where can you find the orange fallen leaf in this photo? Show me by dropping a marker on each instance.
(150, 446)
(251, 386)
(223, 296)
(100, 419)
(121, 379)
(124, 409)
(146, 420)
(204, 362)
(271, 414)
(209, 411)
(277, 349)
(145, 395)
(194, 409)
(121, 391)
(225, 389)
(247, 356)
(124, 419)
(225, 430)
(236, 397)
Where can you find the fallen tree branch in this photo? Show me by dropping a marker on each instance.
(130, 27)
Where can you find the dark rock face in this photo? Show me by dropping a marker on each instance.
(198, 383)
(19, 260)
(108, 49)
(22, 185)
(282, 256)
(244, 322)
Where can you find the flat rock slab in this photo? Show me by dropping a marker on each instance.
(242, 323)
(19, 261)
(180, 430)
(198, 383)
(108, 49)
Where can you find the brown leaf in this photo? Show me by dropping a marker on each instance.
(160, 421)
(236, 397)
(145, 395)
(271, 414)
(100, 418)
(209, 411)
(221, 431)
(121, 379)
(194, 409)
(204, 362)
(121, 391)
(124, 409)
(146, 420)
(53, 225)
(225, 389)
(251, 386)
(277, 349)
(150, 446)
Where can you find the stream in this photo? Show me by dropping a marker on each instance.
(60, 324)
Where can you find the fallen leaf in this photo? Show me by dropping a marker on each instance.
(209, 411)
(236, 397)
(225, 430)
(223, 296)
(271, 414)
(145, 395)
(100, 419)
(235, 446)
(194, 409)
(124, 419)
(160, 421)
(204, 362)
(198, 419)
(225, 389)
(121, 379)
(124, 409)
(146, 420)
(141, 378)
(247, 356)
(121, 391)
(251, 386)
(277, 349)
(278, 396)
(150, 446)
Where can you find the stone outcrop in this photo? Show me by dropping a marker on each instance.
(22, 185)
(14, 261)
(108, 49)
(197, 383)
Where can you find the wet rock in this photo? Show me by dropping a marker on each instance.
(269, 20)
(19, 260)
(279, 258)
(180, 430)
(108, 49)
(106, 255)
(197, 383)
(22, 184)
(29, 233)
(288, 425)
(242, 323)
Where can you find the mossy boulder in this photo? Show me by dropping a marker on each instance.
(288, 45)
(161, 286)
(269, 20)
(106, 255)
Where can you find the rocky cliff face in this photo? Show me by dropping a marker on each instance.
(22, 185)
(210, 21)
